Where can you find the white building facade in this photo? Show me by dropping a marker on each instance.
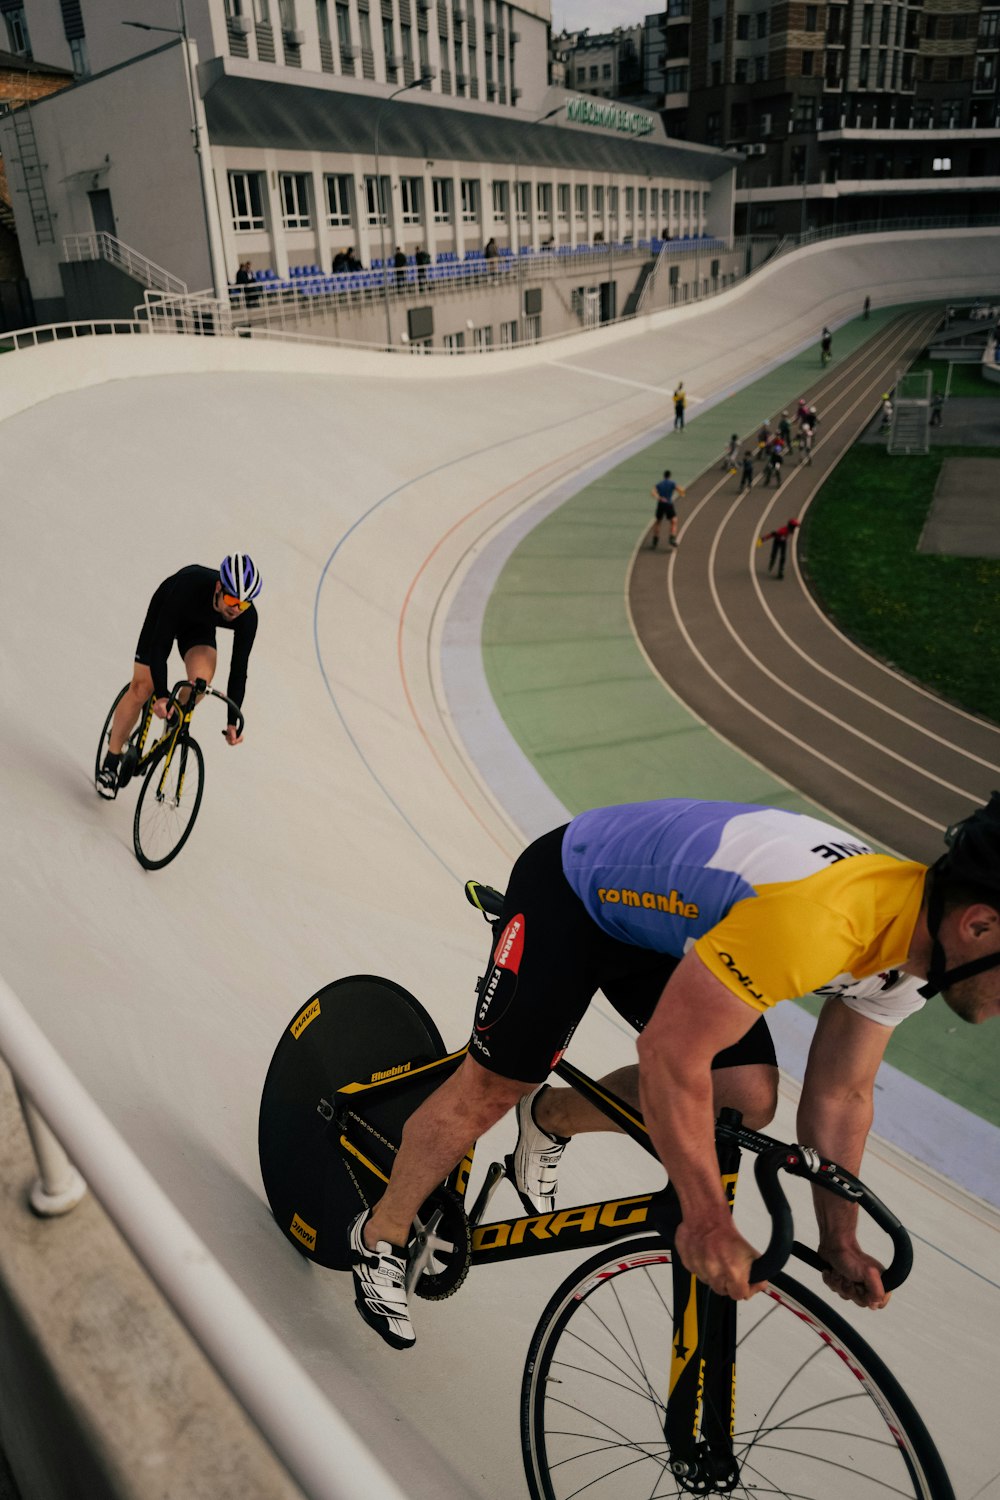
(281, 132)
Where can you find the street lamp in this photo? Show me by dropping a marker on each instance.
(218, 282)
(516, 220)
(416, 83)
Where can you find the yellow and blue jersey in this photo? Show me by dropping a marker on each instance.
(776, 904)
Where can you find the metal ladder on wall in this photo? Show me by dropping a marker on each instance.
(34, 177)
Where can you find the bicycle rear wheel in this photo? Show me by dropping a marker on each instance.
(355, 1030)
(168, 803)
(102, 744)
(818, 1415)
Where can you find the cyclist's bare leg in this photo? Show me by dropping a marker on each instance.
(126, 715)
(435, 1138)
(752, 1089)
(199, 661)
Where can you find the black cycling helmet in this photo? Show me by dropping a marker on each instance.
(971, 862)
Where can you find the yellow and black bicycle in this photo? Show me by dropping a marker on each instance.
(639, 1381)
(170, 761)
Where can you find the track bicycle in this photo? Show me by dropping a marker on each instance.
(165, 754)
(639, 1381)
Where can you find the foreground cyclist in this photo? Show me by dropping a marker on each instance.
(695, 918)
(187, 608)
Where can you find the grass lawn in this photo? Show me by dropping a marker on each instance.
(935, 618)
(966, 380)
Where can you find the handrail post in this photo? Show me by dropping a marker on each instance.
(59, 1186)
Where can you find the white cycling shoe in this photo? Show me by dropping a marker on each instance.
(534, 1166)
(380, 1286)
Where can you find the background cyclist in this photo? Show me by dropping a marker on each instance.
(694, 918)
(188, 607)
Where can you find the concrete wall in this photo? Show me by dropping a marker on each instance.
(129, 133)
(97, 289)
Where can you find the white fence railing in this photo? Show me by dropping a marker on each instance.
(54, 333)
(310, 1437)
(99, 245)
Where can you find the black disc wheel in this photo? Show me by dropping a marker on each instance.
(102, 744)
(818, 1415)
(324, 1156)
(168, 803)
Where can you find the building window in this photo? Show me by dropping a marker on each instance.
(742, 28)
(989, 27)
(716, 73)
(762, 24)
(17, 32)
(482, 338)
(562, 202)
(866, 26)
(323, 20)
(812, 21)
(629, 204)
(246, 200)
(986, 73)
(741, 69)
(501, 198)
(717, 30)
(761, 68)
(606, 70)
(508, 335)
(343, 25)
(78, 52)
(580, 202)
(376, 200)
(409, 199)
(454, 343)
(807, 63)
(593, 74)
(294, 200)
(424, 47)
(864, 59)
(470, 200)
(543, 200)
(388, 44)
(441, 190)
(338, 202)
(676, 80)
(642, 203)
(599, 203)
(523, 198)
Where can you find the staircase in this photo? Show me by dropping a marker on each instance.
(99, 245)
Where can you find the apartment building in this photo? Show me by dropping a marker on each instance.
(845, 111)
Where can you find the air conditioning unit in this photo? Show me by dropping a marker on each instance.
(461, 80)
(424, 5)
(490, 28)
(241, 25)
(394, 62)
(515, 37)
(765, 124)
(348, 51)
(294, 38)
(515, 94)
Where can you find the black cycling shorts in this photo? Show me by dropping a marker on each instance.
(549, 961)
(665, 508)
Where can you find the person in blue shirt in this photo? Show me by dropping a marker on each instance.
(663, 493)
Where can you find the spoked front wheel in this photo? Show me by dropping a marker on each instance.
(168, 804)
(818, 1415)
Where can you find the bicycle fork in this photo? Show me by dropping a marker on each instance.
(701, 1403)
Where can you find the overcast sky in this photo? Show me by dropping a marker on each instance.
(599, 15)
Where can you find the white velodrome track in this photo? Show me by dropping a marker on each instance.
(334, 841)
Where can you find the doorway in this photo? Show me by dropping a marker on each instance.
(101, 211)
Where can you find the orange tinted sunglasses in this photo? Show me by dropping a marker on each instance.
(231, 603)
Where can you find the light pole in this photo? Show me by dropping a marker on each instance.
(381, 207)
(516, 218)
(219, 282)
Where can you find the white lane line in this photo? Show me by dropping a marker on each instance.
(659, 390)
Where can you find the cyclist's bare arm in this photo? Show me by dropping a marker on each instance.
(835, 1115)
(696, 1017)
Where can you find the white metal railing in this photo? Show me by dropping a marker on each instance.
(99, 245)
(311, 1438)
(54, 333)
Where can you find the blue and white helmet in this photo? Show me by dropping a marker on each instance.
(239, 576)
